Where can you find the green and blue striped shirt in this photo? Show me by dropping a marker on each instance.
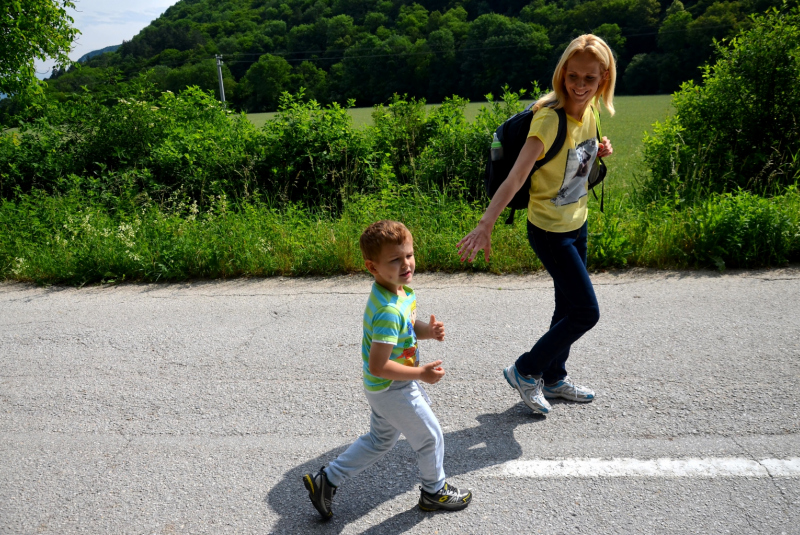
(389, 318)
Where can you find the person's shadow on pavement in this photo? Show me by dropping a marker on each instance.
(488, 444)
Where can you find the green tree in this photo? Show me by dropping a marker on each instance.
(611, 34)
(311, 78)
(261, 87)
(673, 31)
(500, 51)
(373, 70)
(444, 78)
(429, 49)
(413, 21)
(31, 30)
(641, 74)
(738, 129)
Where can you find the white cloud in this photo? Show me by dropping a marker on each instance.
(107, 22)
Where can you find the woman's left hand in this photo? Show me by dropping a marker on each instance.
(605, 148)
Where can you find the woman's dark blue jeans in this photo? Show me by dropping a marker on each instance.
(564, 256)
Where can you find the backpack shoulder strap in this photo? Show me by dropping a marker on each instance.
(558, 143)
(599, 140)
(596, 114)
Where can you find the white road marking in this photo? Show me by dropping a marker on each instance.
(708, 467)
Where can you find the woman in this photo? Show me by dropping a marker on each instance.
(557, 215)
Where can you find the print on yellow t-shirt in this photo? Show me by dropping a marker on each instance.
(576, 173)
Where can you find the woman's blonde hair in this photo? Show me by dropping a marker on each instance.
(598, 47)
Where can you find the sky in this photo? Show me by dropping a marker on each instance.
(107, 22)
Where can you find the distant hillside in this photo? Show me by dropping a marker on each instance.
(369, 49)
(86, 57)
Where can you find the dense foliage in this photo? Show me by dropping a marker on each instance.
(740, 128)
(31, 30)
(371, 49)
(132, 182)
(189, 148)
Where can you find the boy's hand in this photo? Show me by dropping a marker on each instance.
(432, 372)
(437, 329)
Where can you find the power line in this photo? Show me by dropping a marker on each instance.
(348, 52)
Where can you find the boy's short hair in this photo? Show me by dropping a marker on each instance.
(380, 233)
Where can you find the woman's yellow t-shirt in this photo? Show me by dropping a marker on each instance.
(559, 188)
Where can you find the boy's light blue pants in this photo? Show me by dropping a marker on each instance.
(400, 409)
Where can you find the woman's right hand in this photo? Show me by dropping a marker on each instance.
(481, 236)
(472, 243)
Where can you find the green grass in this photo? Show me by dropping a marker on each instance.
(634, 116)
(70, 239)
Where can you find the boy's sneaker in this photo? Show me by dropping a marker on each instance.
(566, 389)
(448, 498)
(320, 491)
(530, 389)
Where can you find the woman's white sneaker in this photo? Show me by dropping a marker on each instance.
(566, 389)
(529, 388)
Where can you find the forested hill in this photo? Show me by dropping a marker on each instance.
(369, 49)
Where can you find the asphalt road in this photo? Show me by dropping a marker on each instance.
(196, 408)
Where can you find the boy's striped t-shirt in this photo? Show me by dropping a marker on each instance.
(389, 318)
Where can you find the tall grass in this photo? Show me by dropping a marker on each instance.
(72, 239)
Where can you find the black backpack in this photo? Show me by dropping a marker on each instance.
(512, 135)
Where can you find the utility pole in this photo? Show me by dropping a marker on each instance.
(219, 74)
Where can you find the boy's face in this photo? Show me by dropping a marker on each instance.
(394, 267)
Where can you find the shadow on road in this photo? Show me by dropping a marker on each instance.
(490, 443)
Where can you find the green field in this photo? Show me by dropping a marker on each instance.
(633, 117)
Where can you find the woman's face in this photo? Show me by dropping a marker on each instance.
(583, 76)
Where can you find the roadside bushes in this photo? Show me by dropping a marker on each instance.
(148, 186)
(186, 144)
(440, 150)
(82, 136)
(314, 155)
(202, 150)
(740, 128)
(728, 230)
(187, 147)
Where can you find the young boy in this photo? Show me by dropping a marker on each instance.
(391, 371)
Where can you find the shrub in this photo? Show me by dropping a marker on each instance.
(739, 129)
(728, 230)
(401, 133)
(82, 135)
(740, 231)
(203, 150)
(440, 150)
(185, 144)
(313, 155)
(455, 154)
